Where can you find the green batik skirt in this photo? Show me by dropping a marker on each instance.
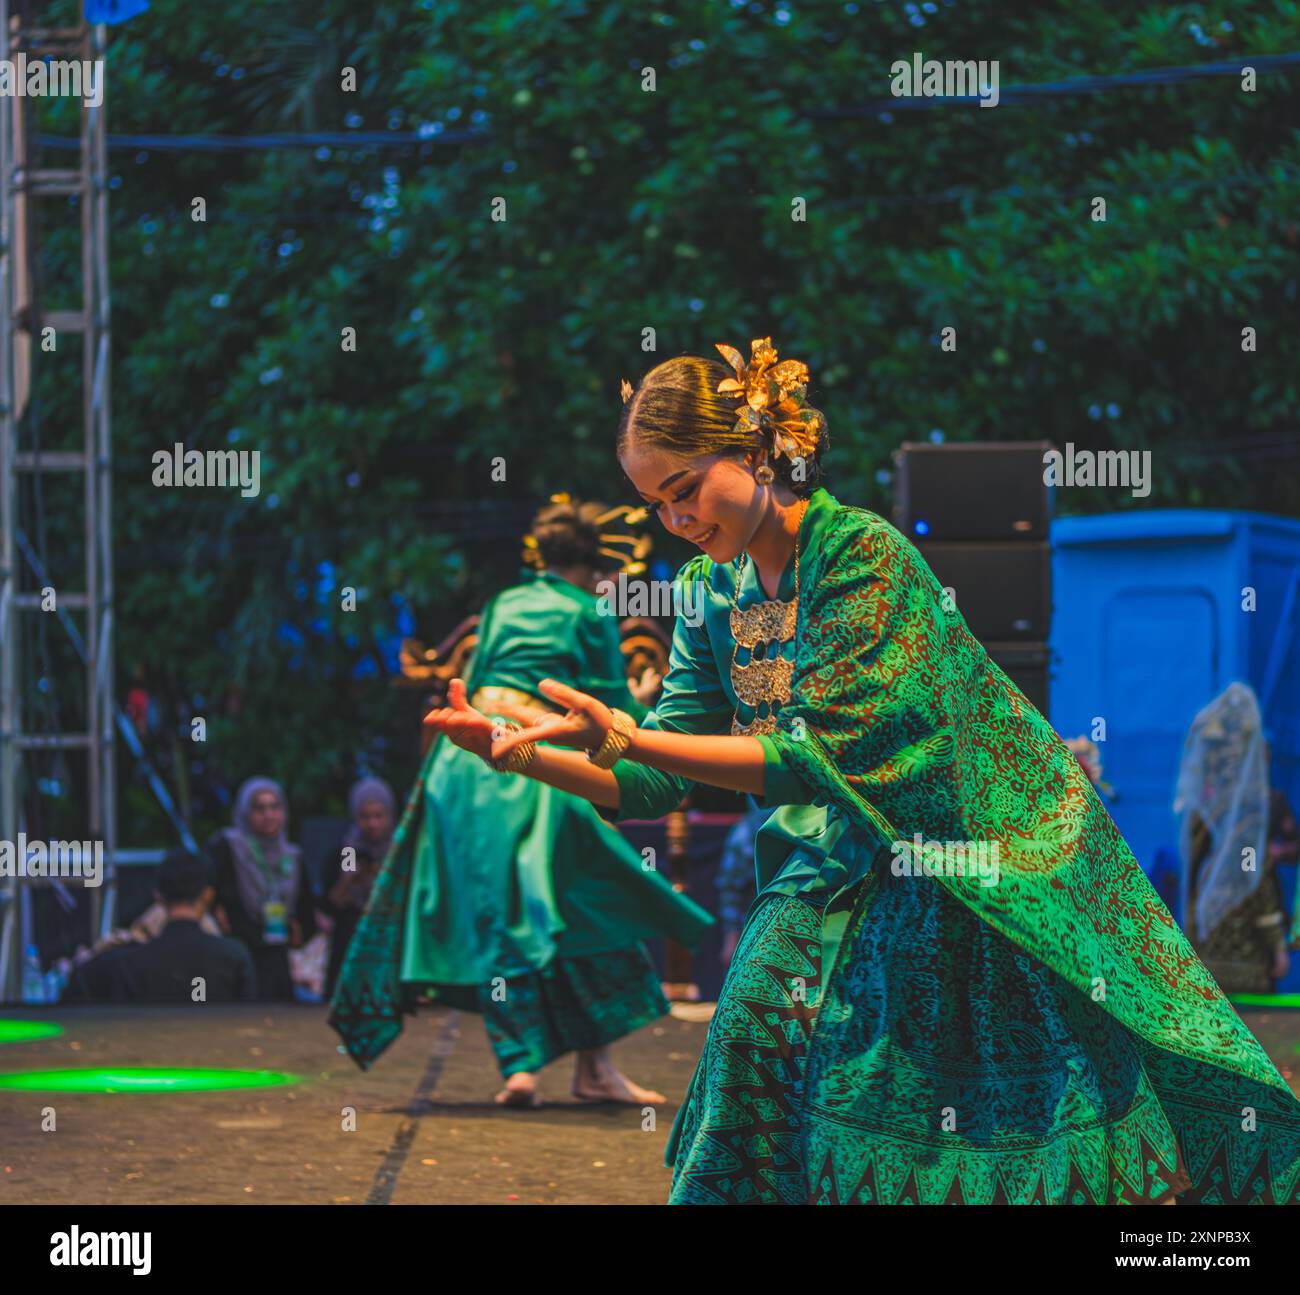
(946, 1065)
(571, 1004)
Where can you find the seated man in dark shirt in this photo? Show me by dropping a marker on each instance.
(183, 964)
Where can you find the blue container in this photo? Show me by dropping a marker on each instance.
(1151, 620)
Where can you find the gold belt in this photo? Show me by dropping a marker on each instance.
(485, 699)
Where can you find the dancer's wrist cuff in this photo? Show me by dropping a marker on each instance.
(617, 740)
(520, 758)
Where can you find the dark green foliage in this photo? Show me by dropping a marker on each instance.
(630, 210)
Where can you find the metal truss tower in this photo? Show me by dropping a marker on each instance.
(23, 463)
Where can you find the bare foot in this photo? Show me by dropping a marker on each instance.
(520, 1090)
(611, 1086)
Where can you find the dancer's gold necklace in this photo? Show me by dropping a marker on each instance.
(764, 680)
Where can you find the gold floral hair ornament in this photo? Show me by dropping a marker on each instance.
(772, 398)
(625, 390)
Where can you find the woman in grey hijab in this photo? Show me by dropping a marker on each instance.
(1232, 906)
(263, 894)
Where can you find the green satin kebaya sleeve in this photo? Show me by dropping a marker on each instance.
(601, 656)
(782, 784)
(693, 700)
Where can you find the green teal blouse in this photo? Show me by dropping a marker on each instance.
(803, 847)
(567, 639)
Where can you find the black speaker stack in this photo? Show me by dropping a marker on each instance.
(980, 513)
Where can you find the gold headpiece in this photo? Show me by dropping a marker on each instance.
(629, 550)
(625, 390)
(532, 555)
(772, 398)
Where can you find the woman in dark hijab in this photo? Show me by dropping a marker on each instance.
(263, 894)
(353, 871)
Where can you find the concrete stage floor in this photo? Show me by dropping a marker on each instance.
(427, 1130)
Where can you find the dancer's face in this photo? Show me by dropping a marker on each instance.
(712, 501)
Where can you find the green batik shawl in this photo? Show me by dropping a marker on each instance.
(496, 875)
(899, 718)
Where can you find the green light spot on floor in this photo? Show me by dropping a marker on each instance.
(23, 1031)
(141, 1079)
(1265, 1000)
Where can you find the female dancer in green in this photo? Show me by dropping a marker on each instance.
(956, 984)
(504, 896)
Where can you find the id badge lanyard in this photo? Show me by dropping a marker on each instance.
(275, 909)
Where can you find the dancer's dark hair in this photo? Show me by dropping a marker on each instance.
(568, 535)
(676, 407)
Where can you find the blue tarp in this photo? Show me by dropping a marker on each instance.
(1154, 614)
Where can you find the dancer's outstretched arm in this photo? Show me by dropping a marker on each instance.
(567, 770)
(734, 763)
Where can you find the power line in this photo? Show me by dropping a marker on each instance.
(1084, 85)
(284, 139)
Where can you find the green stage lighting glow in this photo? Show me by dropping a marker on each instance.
(141, 1079)
(1265, 1000)
(22, 1031)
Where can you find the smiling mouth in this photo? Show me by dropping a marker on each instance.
(703, 539)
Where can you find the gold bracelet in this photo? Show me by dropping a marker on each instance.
(520, 758)
(617, 740)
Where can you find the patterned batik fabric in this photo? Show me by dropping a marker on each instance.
(952, 1067)
(949, 1068)
(946, 1066)
(899, 718)
(569, 1005)
(737, 1140)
